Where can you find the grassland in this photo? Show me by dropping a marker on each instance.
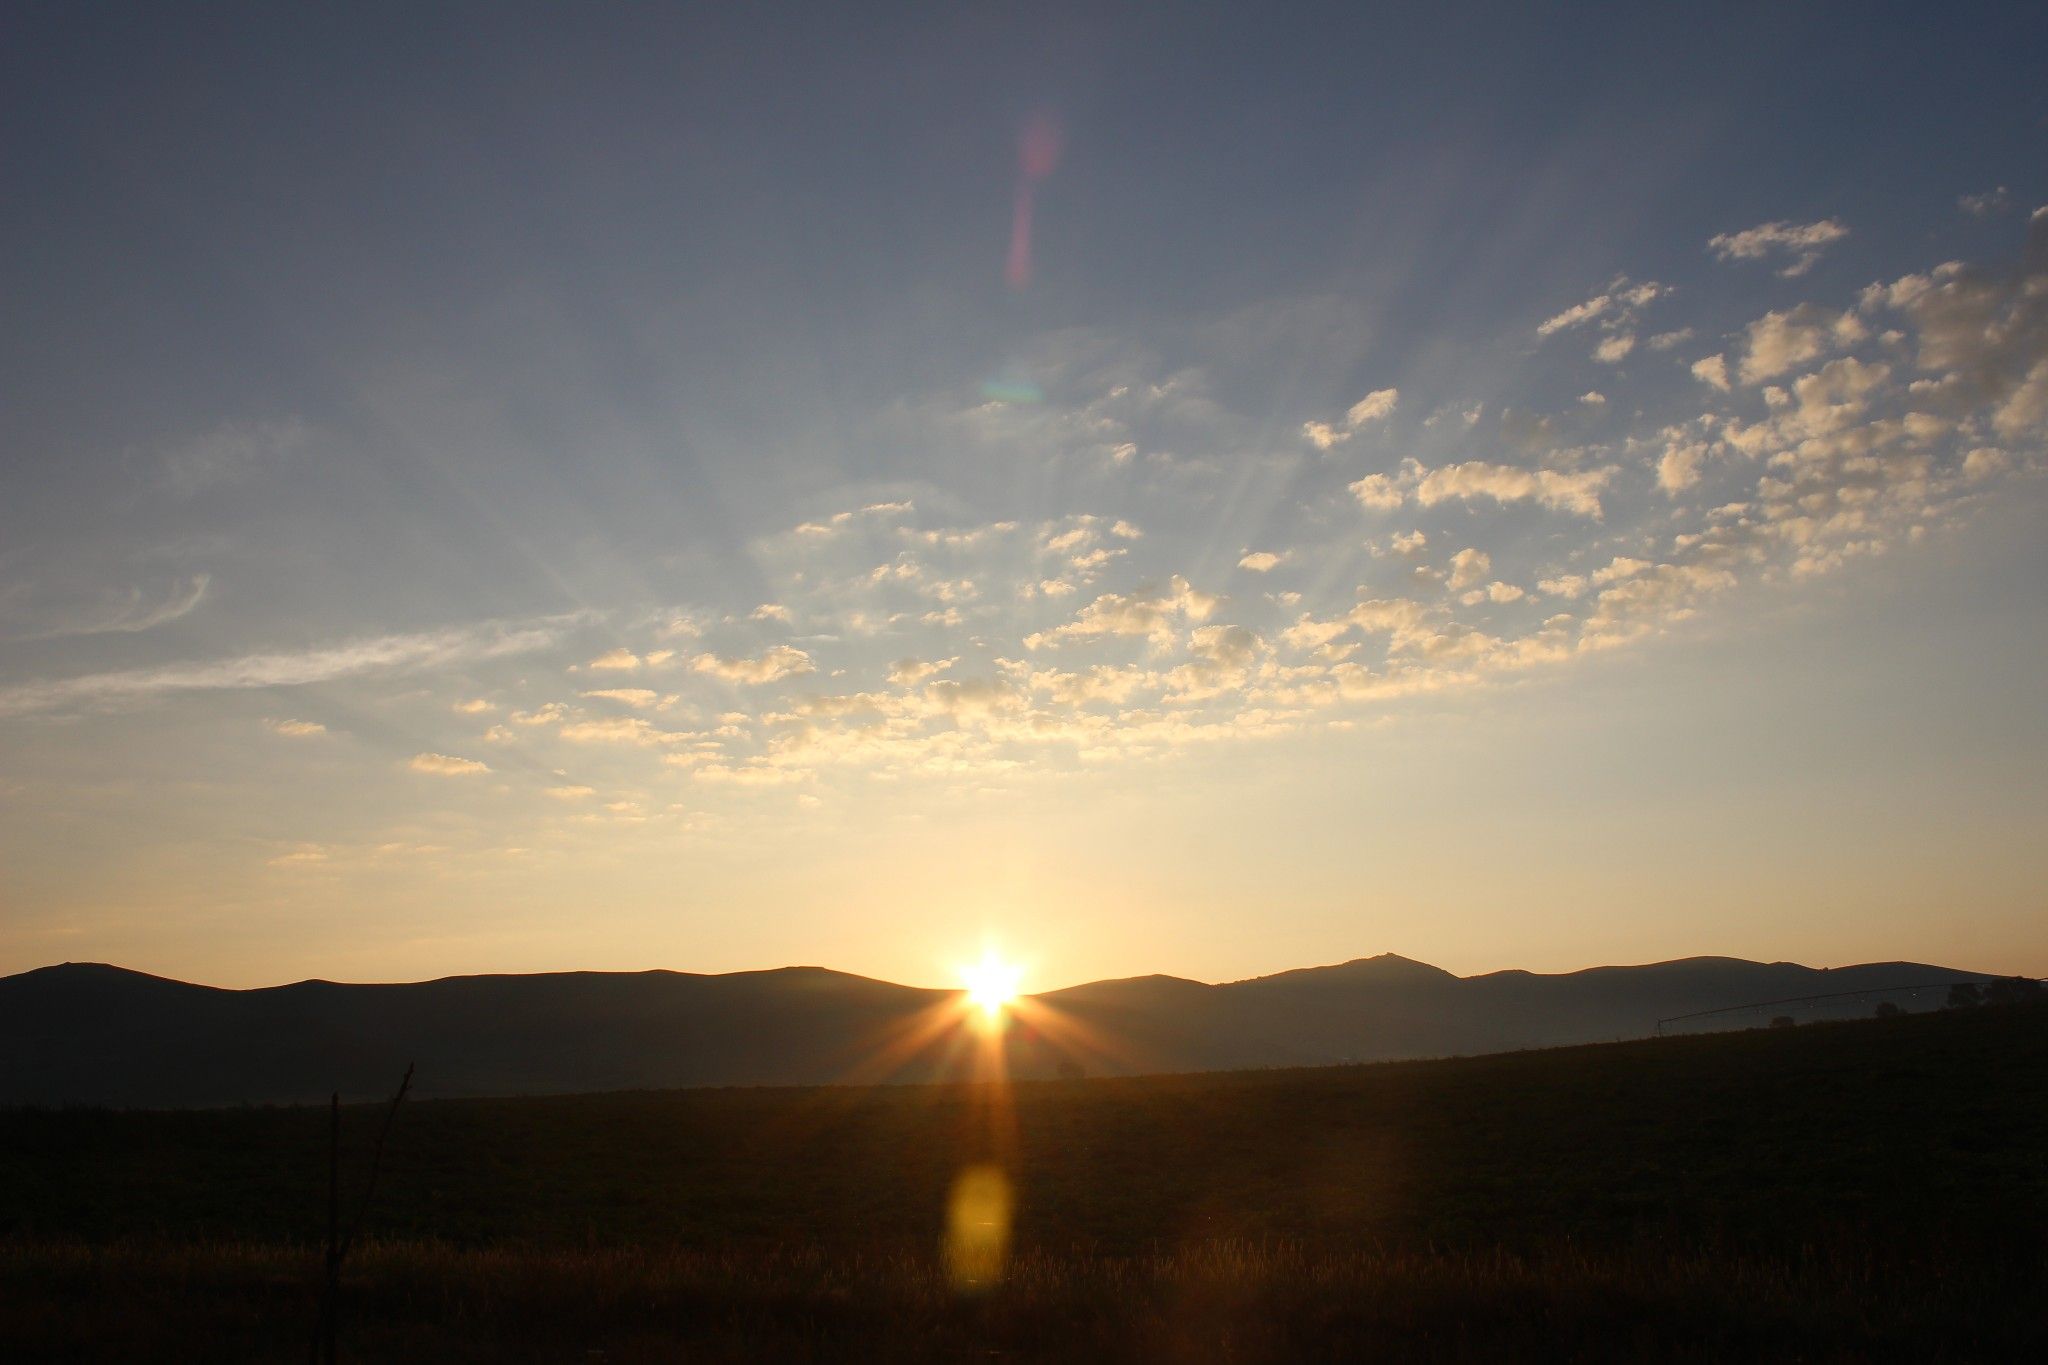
(1831, 1192)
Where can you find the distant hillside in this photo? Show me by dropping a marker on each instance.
(85, 1033)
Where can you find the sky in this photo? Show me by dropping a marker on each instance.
(1179, 489)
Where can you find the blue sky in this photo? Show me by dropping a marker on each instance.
(511, 488)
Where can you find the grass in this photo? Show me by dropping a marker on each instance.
(1831, 1192)
(1217, 1301)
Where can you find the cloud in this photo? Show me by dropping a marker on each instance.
(1780, 341)
(911, 672)
(1371, 408)
(771, 611)
(1984, 205)
(622, 730)
(1614, 311)
(130, 613)
(475, 706)
(1803, 242)
(296, 729)
(781, 661)
(1469, 566)
(1577, 493)
(1374, 407)
(1679, 467)
(1984, 462)
(1261, 561)
(1150, 613)
(446, 765)
(639, 697)
(840, 521)
(1379, 492)
(1712, 370)
(572, 793)
(230, 453)
(620, 660)
(1573, 316)
(380, 654)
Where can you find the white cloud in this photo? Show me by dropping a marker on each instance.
(1985, 462)
(1984, 205)
(572, 793)
(781, 661)
(622, 730)
(1612, 350)
(1578, 493)
(1679, 467)
(1379, 492)
(911, 672)
(1371, 408)
(381, 654)
(296, 729)
(1374, 407)
(639, 697)
(446, 765)
(1803, 242)
(1150, 613)
(1261, 561)
(1469, 566)
(1574, 315)
(128, 613)
(1615, 310)
(1780, 341)
(1712, 370)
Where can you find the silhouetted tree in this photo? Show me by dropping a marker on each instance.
(2013, 990)
(1964, 995)
(1783, 1021)
(1070, 1070)
(1887, 1010)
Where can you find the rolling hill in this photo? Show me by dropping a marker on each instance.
(87, 1033)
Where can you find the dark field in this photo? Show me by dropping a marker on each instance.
(1832, 1192)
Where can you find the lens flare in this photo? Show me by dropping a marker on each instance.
(978, 1228)
(1038, 153)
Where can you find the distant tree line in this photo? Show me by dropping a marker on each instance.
(2010, 990)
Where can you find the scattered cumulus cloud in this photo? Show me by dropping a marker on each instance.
(781, 661)
(1802, 243)
(1992, 201)
(446, 765)
(1374, 407)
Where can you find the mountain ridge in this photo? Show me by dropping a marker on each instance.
(101, 1034)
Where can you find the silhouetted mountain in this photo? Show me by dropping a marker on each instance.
(87, 1033)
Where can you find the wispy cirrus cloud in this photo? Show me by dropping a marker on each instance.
(354, 658)
(127, 613)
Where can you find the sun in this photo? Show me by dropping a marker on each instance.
(991, 985)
